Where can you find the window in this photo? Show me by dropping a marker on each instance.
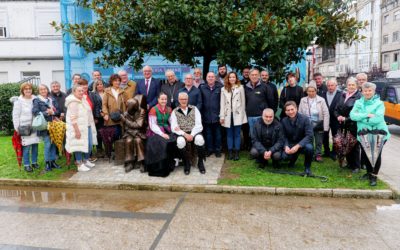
(395, 57)
(385, 39)
(395, 37)
(385, 58)
(396, 16)
(390, 93)
(43, 19)
(386, 19)
(33, 76)
(3, 29)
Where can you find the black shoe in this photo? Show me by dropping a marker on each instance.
(307, 172)
(47, 168)
(373, 180)
(355, 171)
(365, 177)
(333, 157)
(218, 154)
(230, 155)
(35, 165)
(128, 167)
(208, 154)
(236, 155)
(54, 165)
(200, 165)
(28, 168)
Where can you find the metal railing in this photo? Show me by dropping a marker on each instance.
(34, 80)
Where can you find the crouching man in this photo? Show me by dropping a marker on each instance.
(186, 123)
(267, 139)
(298, 133)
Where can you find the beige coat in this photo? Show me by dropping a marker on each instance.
(323, 110)
(238, 106)
(110, 104)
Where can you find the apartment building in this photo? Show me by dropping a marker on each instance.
(390, 50)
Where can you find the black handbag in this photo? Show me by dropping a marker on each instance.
(318, 126)
(115, 116)
(25, 130)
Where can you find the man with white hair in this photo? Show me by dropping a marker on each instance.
(361, 79)
(193, 92)
(332, 97)
(198, 77)
(128, 86)
(267, 139)
(186, 123)
(170, 87)
(149, 87)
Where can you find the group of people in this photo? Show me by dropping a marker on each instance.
(160, 121)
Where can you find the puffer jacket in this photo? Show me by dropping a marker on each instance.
(362, 108)
(323, 111)
(22, 116)
(267, 137)
(84, 120)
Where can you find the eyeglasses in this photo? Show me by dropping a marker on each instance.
(189, 78)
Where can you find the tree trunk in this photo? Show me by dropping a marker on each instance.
(206, 65)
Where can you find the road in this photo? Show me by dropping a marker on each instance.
(34, 218)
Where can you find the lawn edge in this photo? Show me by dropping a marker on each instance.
(313, 192)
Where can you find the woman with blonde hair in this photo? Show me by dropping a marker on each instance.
(22, 119)
(233, 113)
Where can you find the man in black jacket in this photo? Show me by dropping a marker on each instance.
(60, 96)
(267, 139)
(332, 97)
(211, 96)
(171, 87)
(258, 98)
(321, 87)
(273, 89)
(298, 133)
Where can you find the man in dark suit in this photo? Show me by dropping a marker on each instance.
(149, 87)
(332, 97)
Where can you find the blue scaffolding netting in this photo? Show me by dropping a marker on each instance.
(76, 60)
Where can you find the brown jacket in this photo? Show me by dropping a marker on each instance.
(110, 104)
(129, 91)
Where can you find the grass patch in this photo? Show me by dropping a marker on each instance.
(246, 172)
(9, 167)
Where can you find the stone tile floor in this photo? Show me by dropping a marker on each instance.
(107, 172)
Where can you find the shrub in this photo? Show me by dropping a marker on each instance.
(7, 90)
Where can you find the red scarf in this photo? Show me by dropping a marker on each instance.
(89, 101)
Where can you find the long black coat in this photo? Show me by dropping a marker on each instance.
(344, 108)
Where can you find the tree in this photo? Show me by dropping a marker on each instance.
(264, 33)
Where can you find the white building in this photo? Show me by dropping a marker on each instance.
(29, 46)
(390, 35)
(365, 55)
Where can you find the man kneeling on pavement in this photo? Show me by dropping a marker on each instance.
(298, 133)
(186, 123)
(267, 139)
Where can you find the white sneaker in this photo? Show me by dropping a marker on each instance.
(89, 164)
(83, 168)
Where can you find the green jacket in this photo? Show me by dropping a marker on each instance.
(364, 107)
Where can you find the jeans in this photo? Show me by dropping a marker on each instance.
(213, 136)
(79, 156)
(318, 138)
(32, 151)
(49, 149)
(252, 120)
(308, 152)
(233, 137)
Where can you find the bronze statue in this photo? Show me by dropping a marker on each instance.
(135, 133)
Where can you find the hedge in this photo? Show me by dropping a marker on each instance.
(7, 90)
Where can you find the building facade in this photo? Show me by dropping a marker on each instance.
(29, 46)
(390, 51)
(361, 56)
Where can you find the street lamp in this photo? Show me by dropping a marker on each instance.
(309, 57)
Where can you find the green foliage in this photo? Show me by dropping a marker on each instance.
(9, 167)
(245, 172)
(266, 33)
(6, 91)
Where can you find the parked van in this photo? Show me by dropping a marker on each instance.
(389, 90)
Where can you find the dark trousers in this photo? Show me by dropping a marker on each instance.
(99, 125)
(308, 152)
(213, 136)
(365, 160)
(246, 136)
(276, 157)
(327, 149)
(353, 158)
